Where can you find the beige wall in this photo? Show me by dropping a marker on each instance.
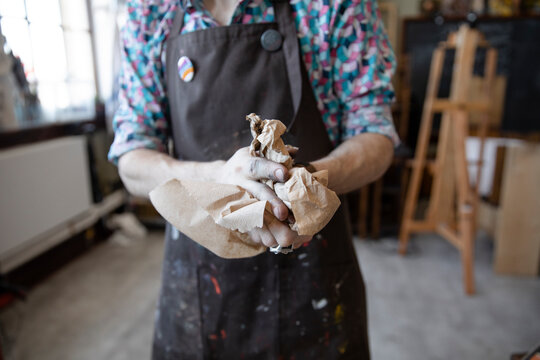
(407, 7)
(404, 8)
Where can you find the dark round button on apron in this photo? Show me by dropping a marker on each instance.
(271, 40)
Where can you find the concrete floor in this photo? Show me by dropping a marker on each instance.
(101, 305)
(417, 308)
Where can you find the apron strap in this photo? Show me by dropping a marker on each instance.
(178, 22)
(287, 27)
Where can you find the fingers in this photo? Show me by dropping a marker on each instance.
(257, 168)
(283, 233)
(275, 232)
(263, 192)
(244, 170)
(264, 236)
(260, 168)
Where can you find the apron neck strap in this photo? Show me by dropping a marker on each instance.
(287, 28)
(178, 22)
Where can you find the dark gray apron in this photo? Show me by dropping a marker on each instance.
(306, 305)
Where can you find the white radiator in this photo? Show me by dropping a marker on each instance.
(43, 187)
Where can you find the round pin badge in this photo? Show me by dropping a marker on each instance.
(186, 71)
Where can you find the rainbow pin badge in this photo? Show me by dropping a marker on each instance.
(185, 69)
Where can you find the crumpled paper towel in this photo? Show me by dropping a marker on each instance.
(218, 216)
(306, 194)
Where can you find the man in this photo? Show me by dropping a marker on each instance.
(324, 69)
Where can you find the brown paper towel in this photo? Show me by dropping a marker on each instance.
(185, 204)
(218, 216)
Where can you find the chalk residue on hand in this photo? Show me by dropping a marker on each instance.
(218, 216)
(305, 194)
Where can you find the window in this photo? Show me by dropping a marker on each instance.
(53, 40)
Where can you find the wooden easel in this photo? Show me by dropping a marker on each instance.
(453, 201)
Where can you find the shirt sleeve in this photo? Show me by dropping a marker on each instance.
(141, 118)
(363, 69)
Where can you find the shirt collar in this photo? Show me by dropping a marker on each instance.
(187, 4)
(198, 4)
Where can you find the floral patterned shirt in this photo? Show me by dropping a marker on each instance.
(344, 46)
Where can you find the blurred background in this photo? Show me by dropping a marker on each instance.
(448, 240)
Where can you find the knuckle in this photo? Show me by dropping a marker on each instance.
(270, 196)
(290, 238)
(256, 190)
(268, 240)
(287, 237)
(265, 193)
(254, 167)
(233, 172)
(255, 237)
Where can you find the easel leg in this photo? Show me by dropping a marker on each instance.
(439, 174)
(421, 149)
(489, 73)
(466, 203)
(466, 230)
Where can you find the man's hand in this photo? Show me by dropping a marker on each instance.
(143, 169)
(245, 170)
(275, 232)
